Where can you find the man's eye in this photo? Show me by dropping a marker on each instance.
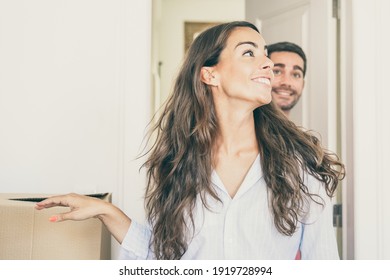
(248, 53)
(277, 72)
(297, 75)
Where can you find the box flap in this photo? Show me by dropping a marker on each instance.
(39, 199)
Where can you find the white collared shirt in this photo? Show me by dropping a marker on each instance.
(242, 227)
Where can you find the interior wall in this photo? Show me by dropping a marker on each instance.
(371, 131)
(74, 97)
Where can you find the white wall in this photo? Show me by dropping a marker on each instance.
(74, 97)
(370, 60)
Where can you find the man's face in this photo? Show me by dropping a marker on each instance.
(288, 83)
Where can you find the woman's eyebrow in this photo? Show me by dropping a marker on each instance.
(247, 43)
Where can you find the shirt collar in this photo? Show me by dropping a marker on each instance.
(254, 174)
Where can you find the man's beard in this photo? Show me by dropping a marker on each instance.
(294, 94)
(289, 106)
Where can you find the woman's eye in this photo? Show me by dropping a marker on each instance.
(248, 53)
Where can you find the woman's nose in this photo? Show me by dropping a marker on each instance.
(267, 63)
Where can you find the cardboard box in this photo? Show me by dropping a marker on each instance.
(27, 233)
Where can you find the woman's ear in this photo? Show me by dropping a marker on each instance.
(207, 76)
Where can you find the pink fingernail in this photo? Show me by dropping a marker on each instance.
(53, 219)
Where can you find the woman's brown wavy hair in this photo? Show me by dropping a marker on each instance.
(179, 165)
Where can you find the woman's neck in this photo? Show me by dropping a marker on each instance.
(236, 134)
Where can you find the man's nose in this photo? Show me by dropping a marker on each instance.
(285, 79)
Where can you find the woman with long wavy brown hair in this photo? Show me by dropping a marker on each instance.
(229, 176)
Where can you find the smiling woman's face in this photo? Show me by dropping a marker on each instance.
(244, 70)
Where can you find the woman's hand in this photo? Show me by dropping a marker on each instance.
(81, 207)
(84, 207)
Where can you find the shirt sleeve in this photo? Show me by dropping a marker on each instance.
(136, 243)
(319, 236)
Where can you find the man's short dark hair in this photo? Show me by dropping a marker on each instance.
(288, 47)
